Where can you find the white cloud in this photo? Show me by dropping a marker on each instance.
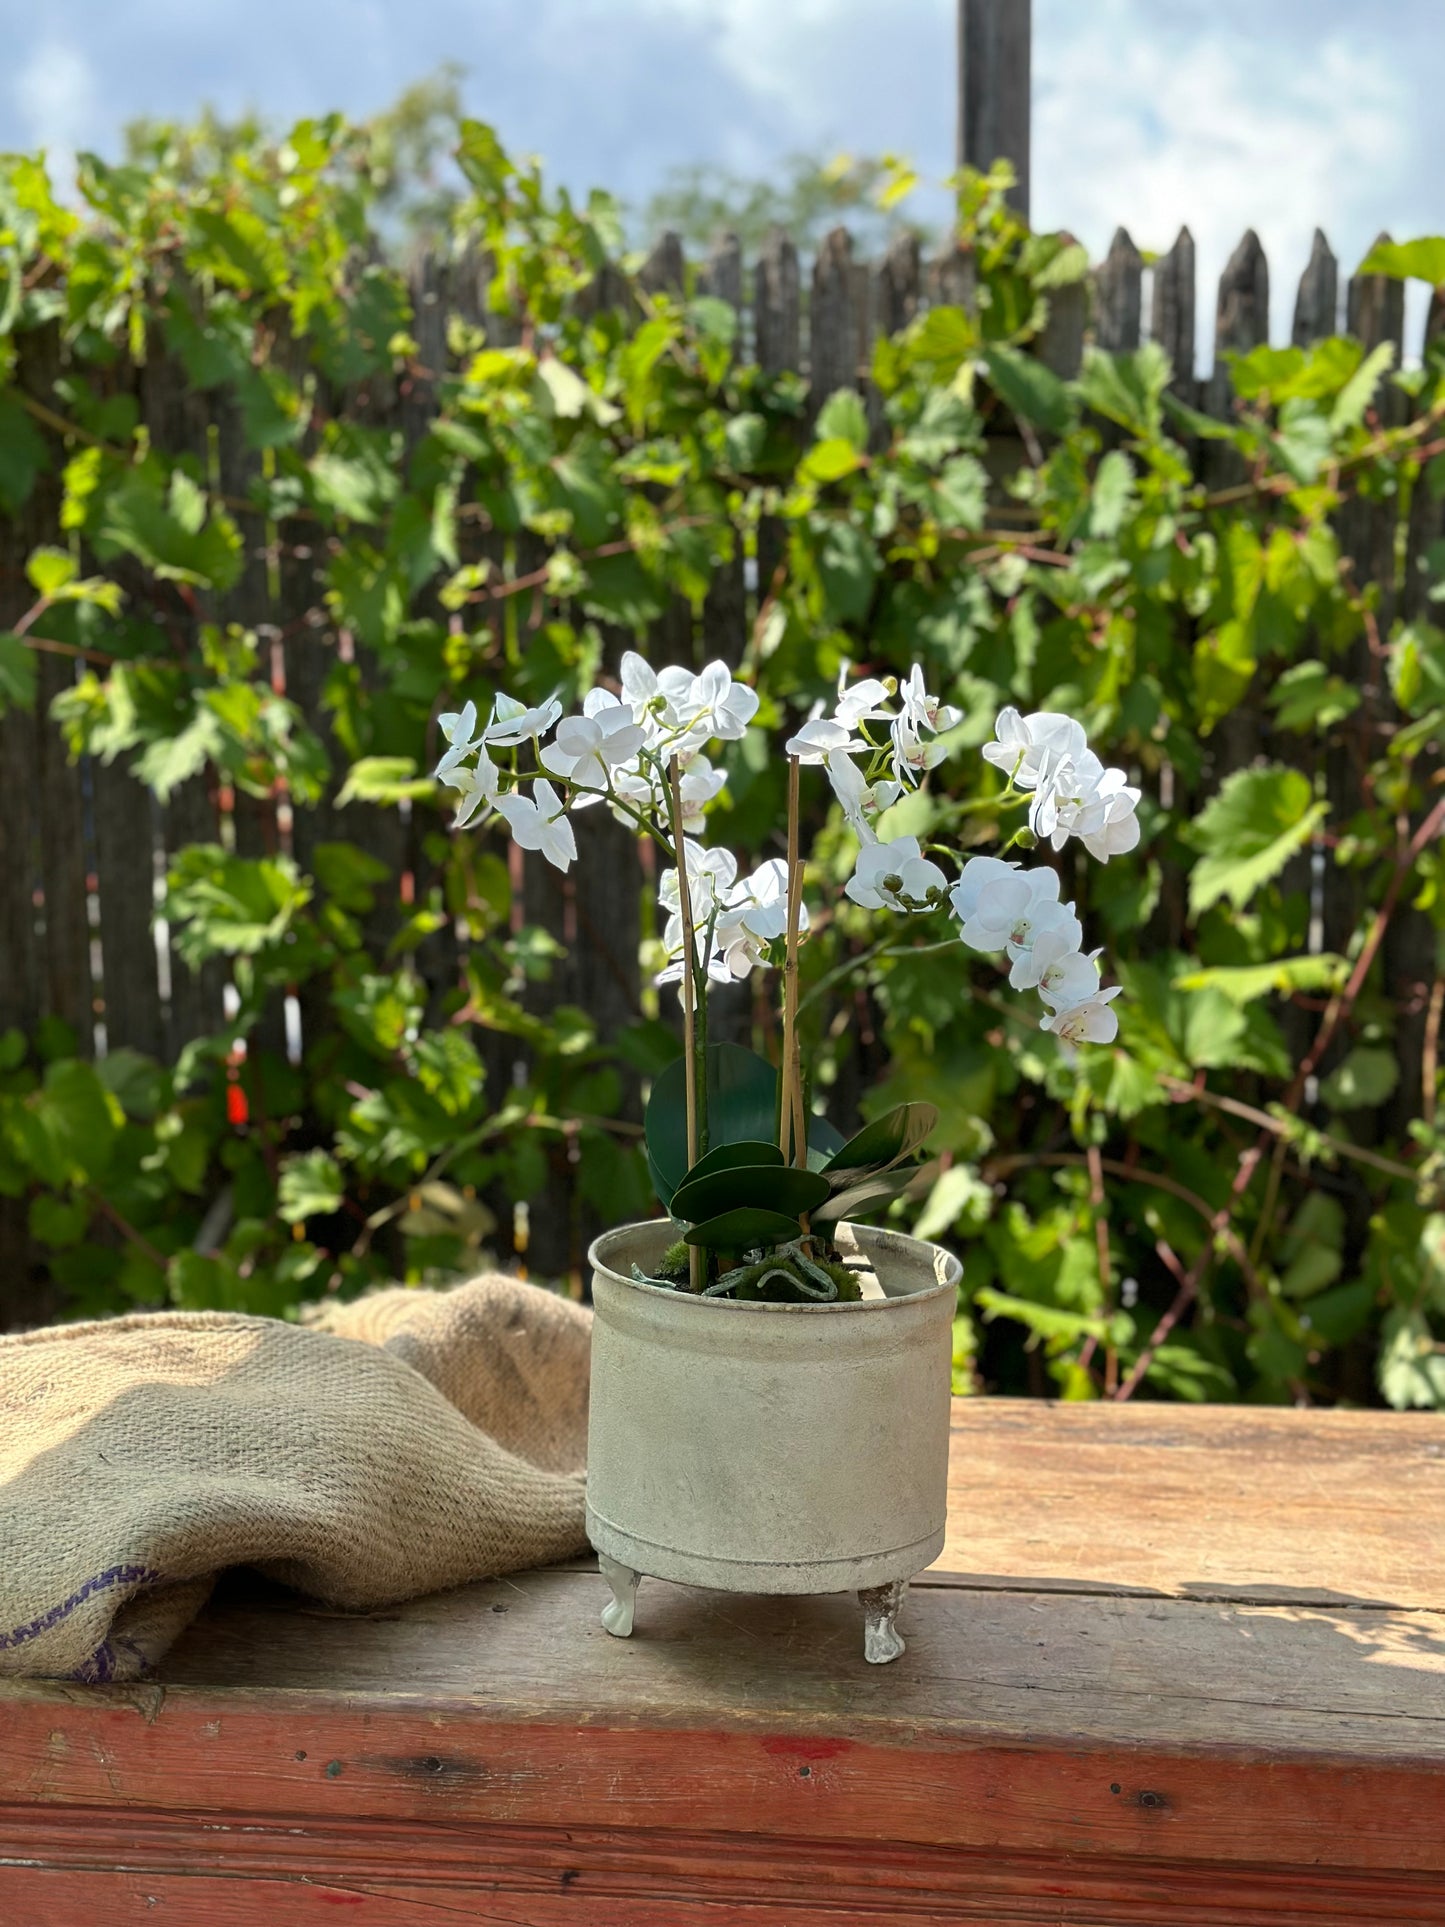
(56, 100)
(1150, 129)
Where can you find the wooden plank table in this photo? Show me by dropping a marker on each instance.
(1176, 1665)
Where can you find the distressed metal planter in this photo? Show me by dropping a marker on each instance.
(770, 1448)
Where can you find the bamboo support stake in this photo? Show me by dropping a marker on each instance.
(792, 1135)
(689, 1034)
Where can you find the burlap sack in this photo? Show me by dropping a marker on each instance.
(405, 1443)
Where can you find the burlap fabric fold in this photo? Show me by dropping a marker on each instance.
(408, 1442)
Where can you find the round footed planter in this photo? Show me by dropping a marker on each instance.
(771, 1448)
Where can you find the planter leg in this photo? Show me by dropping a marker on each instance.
(882, 1640)
(617, 1613)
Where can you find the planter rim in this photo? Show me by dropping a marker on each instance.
(952, 1267)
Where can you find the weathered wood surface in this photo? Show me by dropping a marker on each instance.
(995, 66)
(1175, 1665)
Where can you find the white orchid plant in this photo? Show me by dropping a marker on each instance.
(753, 1181)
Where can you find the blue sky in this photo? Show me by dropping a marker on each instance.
(1283, 114)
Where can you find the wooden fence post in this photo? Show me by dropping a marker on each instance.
(1317, 305)
(995, 40)
(1118, 293)
(1171, 321)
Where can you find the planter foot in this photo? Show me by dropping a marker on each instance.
(617, 1613)
(882, 1640)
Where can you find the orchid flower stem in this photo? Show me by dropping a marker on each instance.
(1005, 800)
(885, 947)
(792, 1128)
(689, 1034)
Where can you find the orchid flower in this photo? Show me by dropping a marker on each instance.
(540, 823)
(589, 747)
(896, 876)
(1092, 1022)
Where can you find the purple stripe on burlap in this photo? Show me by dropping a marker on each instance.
(102, 1582)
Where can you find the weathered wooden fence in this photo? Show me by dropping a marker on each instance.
(83, 847)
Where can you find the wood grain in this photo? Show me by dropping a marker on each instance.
(1174, 1666)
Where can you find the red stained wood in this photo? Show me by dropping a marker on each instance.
(1175, 1666)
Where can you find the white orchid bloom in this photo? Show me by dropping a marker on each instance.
(912, 757)
(1027, 746)
(973, 878)
(1008, 911)
(1092, 1022)
(713, 961)
(754, 918)
(1056, 921)
(458, 727)
(718, 705)
(539, 822)
(513, 722)
(1067, 802)
(895, 876)
(698, 783)
(711, 875)
(477, 786)
(588, 748)
(640, 688)
(1062, 974)
(1119, 831)
(922, 711)
(861, 701)
(822, 738)
(860, 800)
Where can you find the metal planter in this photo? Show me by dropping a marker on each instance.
(770, 1448)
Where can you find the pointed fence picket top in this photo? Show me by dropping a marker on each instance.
(1061, 345)
(835, 327)
(777, 331)
(899, 285)
(1171, 321)
(724, 633)
(953, 280)
(1317, 305)
(1241, 317)
(1118, 296)
(1376, 314)
(663, 271)
(777, 305)
(721, 275)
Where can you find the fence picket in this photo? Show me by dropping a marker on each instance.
(1242, 316)
(835, 340)
(898, 286)
(777, 305)
(664, 272)
(1317, 305)
(1119, 296)
(66, 981)
(1171, 320)
(1061, 344)
(721, 275)
(125, 853)
(777, 312)
(953, 279)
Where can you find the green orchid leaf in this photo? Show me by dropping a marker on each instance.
(779, 1188)
(742, 1107)
(743, 1230)
(824, 1140)
(890, 1138)
(865, 1193)
(726, 1157)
